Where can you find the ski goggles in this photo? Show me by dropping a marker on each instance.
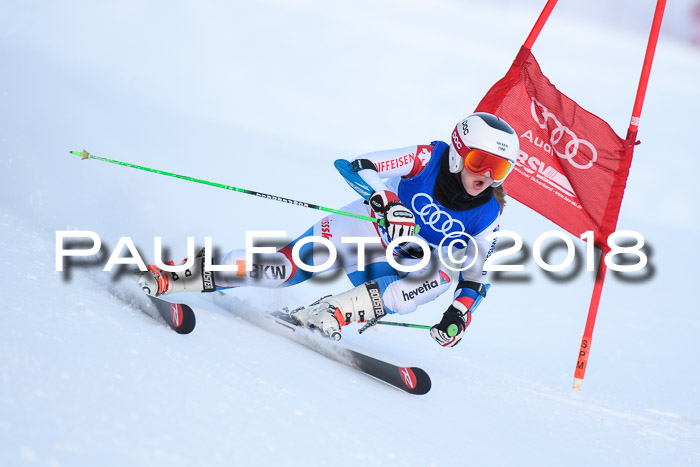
(477, 161)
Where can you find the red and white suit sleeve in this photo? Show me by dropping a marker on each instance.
(391, 163)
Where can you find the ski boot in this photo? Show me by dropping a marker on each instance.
(158, 282)
(363, 304)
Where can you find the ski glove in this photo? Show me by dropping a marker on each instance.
(399, 219)
(449, 331)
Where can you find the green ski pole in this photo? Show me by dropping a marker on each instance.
(452, 329)
(86, 155)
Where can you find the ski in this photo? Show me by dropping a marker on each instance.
(412, 380)
(178, 316)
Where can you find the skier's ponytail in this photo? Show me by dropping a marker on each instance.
(500, 195)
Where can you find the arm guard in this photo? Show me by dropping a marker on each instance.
(365, 173)
(468, 296)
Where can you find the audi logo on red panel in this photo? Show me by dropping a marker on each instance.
(562, 135)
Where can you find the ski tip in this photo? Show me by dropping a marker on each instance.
(183, 318)
(415, 380)
(83, 154)
(178, 316)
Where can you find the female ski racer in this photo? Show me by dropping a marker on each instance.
(448, 190)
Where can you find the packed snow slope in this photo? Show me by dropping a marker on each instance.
(265, 96)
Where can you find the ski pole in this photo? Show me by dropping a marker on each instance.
(452, 329)
(86, 155)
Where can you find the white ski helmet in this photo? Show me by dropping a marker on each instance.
(484, 132)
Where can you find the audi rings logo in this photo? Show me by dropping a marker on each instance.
(432, 216)
(574, 143)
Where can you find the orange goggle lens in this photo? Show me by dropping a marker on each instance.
(477, 161)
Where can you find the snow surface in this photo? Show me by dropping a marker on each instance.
(265, 96)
